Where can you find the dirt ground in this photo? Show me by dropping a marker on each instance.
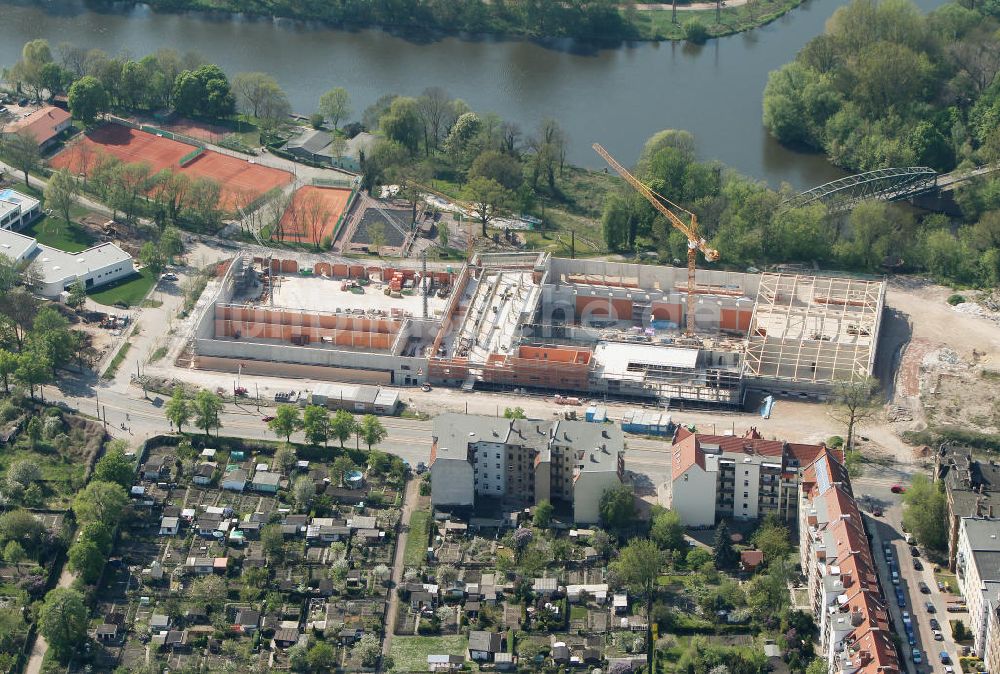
(949, 372)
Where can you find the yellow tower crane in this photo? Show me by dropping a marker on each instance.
(690, 230)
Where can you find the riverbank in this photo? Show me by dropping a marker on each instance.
(596, 23)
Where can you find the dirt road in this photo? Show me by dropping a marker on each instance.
(410, 499)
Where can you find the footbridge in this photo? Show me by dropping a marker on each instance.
(891, 184)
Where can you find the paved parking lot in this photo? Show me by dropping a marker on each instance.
(888, 528)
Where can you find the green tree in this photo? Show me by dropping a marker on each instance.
(88, 99)
(22, 152)
(854, 402)
(342, 426)
(638, 567)
(724, 554)
(342, 465)
(99, 533)
(170, 243)
(33, 370)
(286, 421)
(103, 502)
(316, 424)
(207, 408)
(514, 413)
(335, 105)
(402, 124)
(23, 527)
(151, 257)
(321, 657)
(60, 192)
(667, 530)
(9, 362)
(617, 509)
(695, 32)
(178, 408)
(13, 553)
(34, 431)
(925, 512)
(115, 466)
(77, 295)
(209, 592)
(285, 458)
(62, 620)
(303, 491)
(371, 430)
(260, 96)
(29, 71)
(273, 541)
(488, 199)
(773, 539)
(543, 514)
(86, 560)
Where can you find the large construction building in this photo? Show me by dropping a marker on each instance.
(529, 320)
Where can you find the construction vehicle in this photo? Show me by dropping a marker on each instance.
(690, 230)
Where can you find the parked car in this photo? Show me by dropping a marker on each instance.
(945, 659)
(877, 512)
(169, 277)
(948, 669)
(940, 586)
(915, 551)
(937, 635)
(898, 489)
(895, 578)
(917, 566)
(930, 607)
(900, 597)
(268, 418)
(421, 468)
(425, 387)
(917, 657)
(935, 625)
(923, 587)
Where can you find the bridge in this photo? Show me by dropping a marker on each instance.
(891, 184)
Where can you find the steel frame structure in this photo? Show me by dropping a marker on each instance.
(889, 184)
(814, 330)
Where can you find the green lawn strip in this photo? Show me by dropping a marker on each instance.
(129, 292)
(659, 24)
(409, 654)
(117, 361)
(416, 541)
(52, 230)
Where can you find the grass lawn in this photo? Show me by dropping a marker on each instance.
(659, 23)
(52, 230)
(416, 541)
(577, 612)
(409, 654)
(129, 292)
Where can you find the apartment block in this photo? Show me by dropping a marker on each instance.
(522, 462)
(728, 477)
(977, 565)
(854, 631)
(972, 488)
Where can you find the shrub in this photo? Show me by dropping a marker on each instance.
(316, 120)
(834, 441)
(695, 32)
(955, 299)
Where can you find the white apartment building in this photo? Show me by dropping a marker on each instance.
(524, 462)
(977, 566)
(726, 476)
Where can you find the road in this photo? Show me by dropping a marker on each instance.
(876, 491)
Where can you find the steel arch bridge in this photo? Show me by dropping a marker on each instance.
(891, 184)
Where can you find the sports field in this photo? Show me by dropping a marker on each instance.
(313, 214)
(236, 176)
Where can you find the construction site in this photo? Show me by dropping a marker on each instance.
(510, 321)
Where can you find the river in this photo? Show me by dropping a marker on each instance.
(618, 97)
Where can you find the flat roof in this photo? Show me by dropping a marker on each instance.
(57, 264)
(16, 246)
(615, 357)
(12, 199)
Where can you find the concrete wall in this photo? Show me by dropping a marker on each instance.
(274, 369)
(692, 496)
(452, 482)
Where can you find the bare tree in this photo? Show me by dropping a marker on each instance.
(315, 217)
(855, 402)
(978, 56)
(437, 114)
(22, 148)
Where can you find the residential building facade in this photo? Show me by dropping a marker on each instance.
(972, 489)
(524, 462)
(730, 477)
(854, 631)
(977, 567)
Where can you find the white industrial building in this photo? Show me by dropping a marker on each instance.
(59, 270)
(523, 462)
(17, 210)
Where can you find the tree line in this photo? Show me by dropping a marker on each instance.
(747, 222)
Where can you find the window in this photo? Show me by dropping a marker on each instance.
(746, 495)
(746, 472)
(498, 466)
(746, 483)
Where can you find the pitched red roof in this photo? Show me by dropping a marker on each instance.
(685, 454)
(41, 124)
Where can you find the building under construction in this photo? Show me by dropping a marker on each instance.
(527, 320)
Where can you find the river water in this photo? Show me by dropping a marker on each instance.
(618, 97)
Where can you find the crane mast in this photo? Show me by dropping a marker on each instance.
(689, 230)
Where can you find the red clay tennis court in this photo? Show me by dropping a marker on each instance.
(314, 213)
(131, 145)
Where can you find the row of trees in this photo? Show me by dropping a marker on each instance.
(204, 410)
(746, 222)
(887, 86)
(320, 427)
